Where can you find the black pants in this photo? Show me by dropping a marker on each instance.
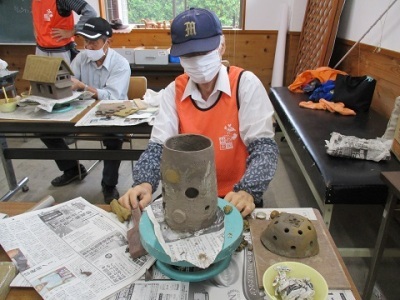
(111, 167)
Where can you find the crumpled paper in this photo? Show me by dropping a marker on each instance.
(353, 147)
(3, 68)
(48, 104)
(3, 64)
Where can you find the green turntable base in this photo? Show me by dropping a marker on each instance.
(183, 270)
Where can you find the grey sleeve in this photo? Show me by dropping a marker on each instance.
(86, 13)
(81, 7)
(147, 168)
(260, 168)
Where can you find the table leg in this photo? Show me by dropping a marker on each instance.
(13, 185)
(380, 244)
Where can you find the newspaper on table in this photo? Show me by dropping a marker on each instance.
(229, 284)
(154, 290)
(27, 111)
(199, 248)
(141, 116)
(73, 250)
(353, 147)
(48, 104)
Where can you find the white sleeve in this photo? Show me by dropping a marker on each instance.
(256, 110)
(166, 122)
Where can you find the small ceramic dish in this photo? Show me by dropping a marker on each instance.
(298, 270)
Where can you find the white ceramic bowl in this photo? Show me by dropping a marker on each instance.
(298, 270)
(8, 106)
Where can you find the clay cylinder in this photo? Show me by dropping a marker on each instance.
(189, 182)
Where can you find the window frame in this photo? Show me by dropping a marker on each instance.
(103, 14)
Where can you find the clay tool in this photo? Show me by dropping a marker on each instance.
(135, 246)
(5, 94)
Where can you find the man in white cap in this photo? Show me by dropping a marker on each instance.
(105, 73)
(229, 105)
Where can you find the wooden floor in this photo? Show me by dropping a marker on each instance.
(352, 225)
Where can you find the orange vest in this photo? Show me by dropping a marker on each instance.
(220, 123)
(45, 18)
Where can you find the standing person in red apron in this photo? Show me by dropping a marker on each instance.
(54, 28)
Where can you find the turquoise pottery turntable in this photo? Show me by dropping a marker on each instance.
(183, 270)
(61, 108)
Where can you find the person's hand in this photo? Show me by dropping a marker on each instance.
(242, 200)
(76, 84)
(60, 34)
(139, 195)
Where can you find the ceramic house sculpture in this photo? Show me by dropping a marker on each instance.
(50, 77)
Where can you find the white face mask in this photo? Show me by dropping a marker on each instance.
(95, 55)
(202, 68)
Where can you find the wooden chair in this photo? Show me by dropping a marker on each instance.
(137, 87)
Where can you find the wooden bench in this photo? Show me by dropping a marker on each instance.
(332, 180)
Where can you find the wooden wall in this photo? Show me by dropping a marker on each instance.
(15, 56)
(255, 50)
(252, 50)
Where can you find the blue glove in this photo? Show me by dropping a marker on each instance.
(325, 91)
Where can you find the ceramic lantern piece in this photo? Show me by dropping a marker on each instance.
(290, 235)
(189, 182)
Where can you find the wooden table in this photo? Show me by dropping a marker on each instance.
(15, 208)
(328, 261)
(15, 128)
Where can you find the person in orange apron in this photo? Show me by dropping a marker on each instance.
(227, 104)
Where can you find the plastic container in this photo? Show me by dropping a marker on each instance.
(151, 55)
(298, 270)
(174, 59)
(8, 106)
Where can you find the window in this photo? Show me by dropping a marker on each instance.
(230, 12)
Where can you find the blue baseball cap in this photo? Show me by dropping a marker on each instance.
(195, 30)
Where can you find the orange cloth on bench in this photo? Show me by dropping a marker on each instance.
(328, 105)
(323, 74)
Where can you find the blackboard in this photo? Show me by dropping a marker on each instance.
(16, 22)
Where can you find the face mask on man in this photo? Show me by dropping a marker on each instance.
(95, 55)
(202, 68)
